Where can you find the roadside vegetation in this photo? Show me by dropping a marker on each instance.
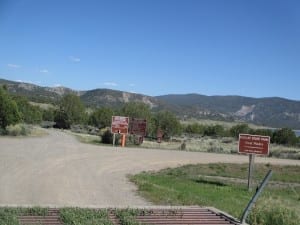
(219, 185)
(76, 216)
(224, 186)
(18, 115)
(10, 216)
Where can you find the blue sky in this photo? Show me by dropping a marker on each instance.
(154, 47)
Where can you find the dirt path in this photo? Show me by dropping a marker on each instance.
(57, 170)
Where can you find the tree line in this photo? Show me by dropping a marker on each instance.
(70, 110)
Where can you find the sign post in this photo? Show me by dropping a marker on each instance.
(250, 170)
(119, 125)
(253, 145)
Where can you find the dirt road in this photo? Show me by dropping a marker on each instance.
(57, 170)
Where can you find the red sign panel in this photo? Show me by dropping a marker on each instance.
(159, 135)
(254, 144)
(119, 124)
(138, 126)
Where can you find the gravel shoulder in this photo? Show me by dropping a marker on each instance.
(56, 170)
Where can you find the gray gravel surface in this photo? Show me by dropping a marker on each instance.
(56, 170)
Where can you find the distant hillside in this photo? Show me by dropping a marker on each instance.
(113, 98)
(36, 93)
(91, 98)
(273, 112)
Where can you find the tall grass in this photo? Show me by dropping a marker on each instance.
(273, 213)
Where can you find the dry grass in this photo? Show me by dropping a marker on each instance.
(219, 145)
(225, 124)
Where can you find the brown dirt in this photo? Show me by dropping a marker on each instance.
(57, 170)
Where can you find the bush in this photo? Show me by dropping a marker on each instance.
(285, 136)
(61, 120)
(183, 145)
(239, 129)
(107, 138)
(9, 113)
(18, 130)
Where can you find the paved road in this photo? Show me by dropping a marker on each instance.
(57, 170)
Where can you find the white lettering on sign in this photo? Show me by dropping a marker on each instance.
(254, 144)
(119, 124)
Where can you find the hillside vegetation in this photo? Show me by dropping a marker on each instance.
(272, 112)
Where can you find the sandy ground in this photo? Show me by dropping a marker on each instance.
(57, 170)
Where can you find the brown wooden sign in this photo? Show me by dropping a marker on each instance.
(254, 144)
(159, 135)
(119, 124)
(138, 126)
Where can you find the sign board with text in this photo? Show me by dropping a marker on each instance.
(119, 124)
(254, 144)
(138, 126)
(159, 135)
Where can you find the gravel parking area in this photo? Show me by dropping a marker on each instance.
(56, 170)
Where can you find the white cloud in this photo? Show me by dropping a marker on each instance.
(44, 71)
(110, 84)
(13, 65)
(57, 85)
(74, 59)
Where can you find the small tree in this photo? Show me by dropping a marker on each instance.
(29, 113)
(138, 110)
(168, 123)
(215, 130)
(285, 136)
(239, 129)
(9, 113)
(101, 117)
(195, 128)
(62, 120)
(71, 111)
(48, 114)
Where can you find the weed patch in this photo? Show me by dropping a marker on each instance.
(77, 216)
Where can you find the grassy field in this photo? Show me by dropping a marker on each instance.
(218, 145)
(199, 144)
(224, 124)
(203, 185)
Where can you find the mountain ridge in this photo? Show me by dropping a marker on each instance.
(268, 111)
